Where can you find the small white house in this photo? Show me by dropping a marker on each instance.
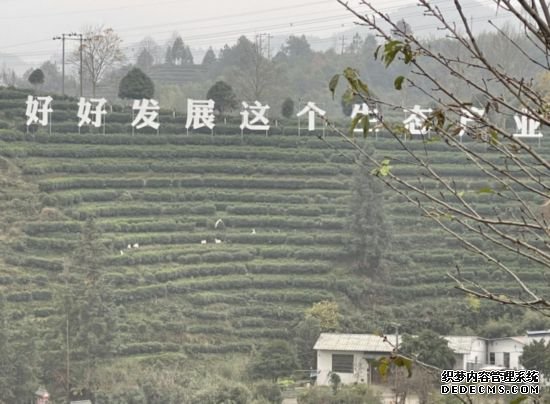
(538, 335)
(470, 352)
(505, 352)
(347, 355)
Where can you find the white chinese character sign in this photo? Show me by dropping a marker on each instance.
(311, 110)
(526, 126)
(259, 121)
(468, 116)
(416, 121)
(365, 110)
(85, 111)
(147, 114)
(38, 110)
(200, 113)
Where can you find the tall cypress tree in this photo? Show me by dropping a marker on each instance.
(95, 335)
(6, 357)
(17, 359)
(87, 331)
(369, 230)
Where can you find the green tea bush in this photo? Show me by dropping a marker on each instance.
(287, 268)
(274, 312)
(37, 228)
(263, 333)
(19, 297)
(141, 293)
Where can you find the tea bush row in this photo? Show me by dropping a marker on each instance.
(178, 255)
(22, 150)
(161, 291)
(266, 312)
(39, 295)
(35, 262)
(244, 282)
(263, 333)
(108, 167)
(119, 209)
(281, 296)
(320, 197)
(192, 182)
(287, 141)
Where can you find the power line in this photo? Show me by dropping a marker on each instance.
(141, 28)
(233, 33)
(226, 17)
(64, 13)
(63, 37)
(72, 36)
(226, 35)
(248, 30)
(222, 34)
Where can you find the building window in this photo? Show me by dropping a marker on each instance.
(342, 363)
(491, 358)
(507, 359)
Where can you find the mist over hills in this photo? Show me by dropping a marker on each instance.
(478, 13)
(13, 62)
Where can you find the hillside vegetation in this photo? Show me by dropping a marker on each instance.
(284, 201)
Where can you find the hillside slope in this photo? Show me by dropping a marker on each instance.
(191, 284)
(194, 287)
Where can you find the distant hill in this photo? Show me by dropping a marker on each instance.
(171, 74)
(477, 12)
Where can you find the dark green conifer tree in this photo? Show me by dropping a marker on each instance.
(369, 231)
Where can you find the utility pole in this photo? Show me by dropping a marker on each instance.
(264, 47)
(63, 37)
(343, 44)
(67, 345)
(81, 48)
(259, 49)
(396, 326)
(269, 36)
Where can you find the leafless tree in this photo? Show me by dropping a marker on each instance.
(101, 51)
(255, 76)
(516, 173)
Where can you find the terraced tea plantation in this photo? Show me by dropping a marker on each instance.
(216, 243)
(236, 236)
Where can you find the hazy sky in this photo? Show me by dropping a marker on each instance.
(28, 26)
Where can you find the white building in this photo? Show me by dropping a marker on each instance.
(538, 335)
(470, 352)
(348, 355)
(505, 352)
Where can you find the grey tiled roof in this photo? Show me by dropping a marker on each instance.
(376, 343)
(461, 345)
(354, 342)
